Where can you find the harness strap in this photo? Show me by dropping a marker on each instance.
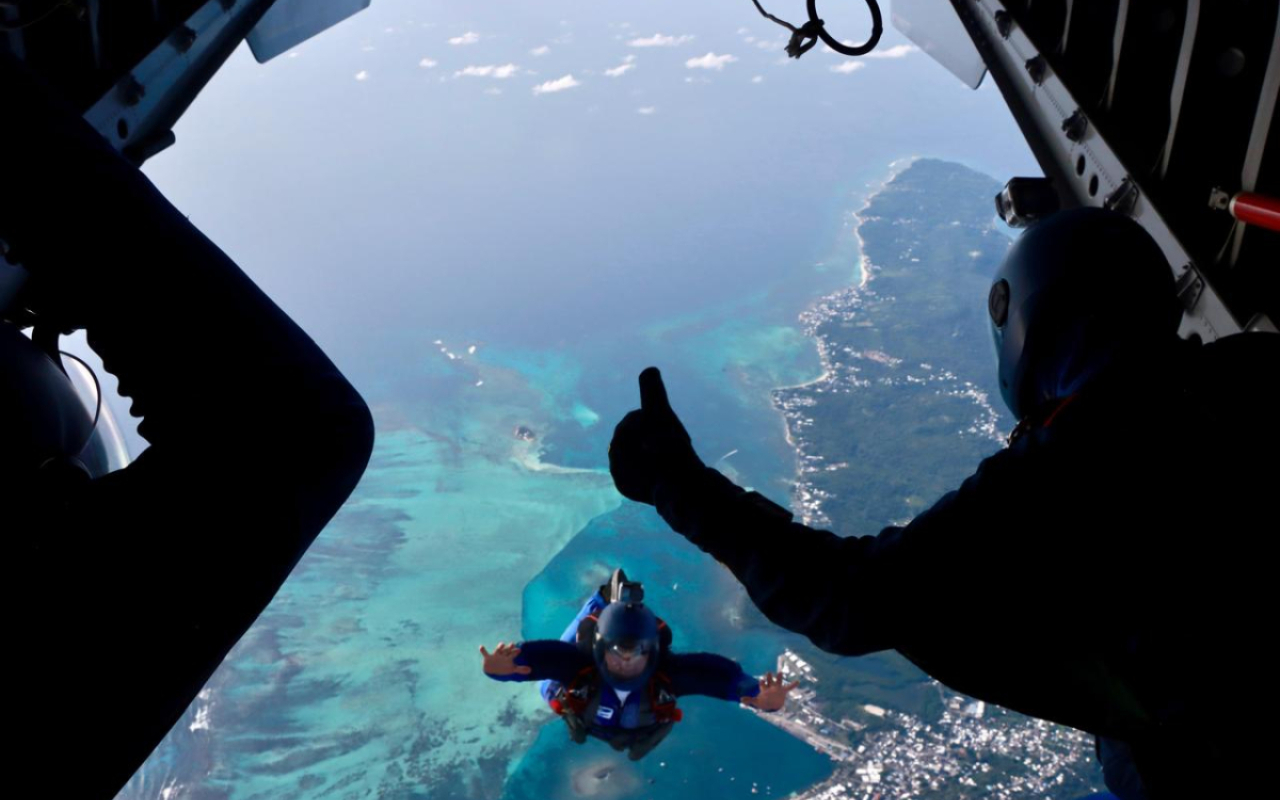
(1026, 424)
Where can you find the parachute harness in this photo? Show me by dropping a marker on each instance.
(807, 35)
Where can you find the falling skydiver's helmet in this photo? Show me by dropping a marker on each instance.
(626, 628)
(1077, 290)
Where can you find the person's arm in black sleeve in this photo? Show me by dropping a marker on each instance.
(708, 674)
(536, 660)
(829, 588)
(845, 594)
(719, 677)
(136, 585)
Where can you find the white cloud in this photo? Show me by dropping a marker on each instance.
(897, 51)
(557, 85)
(470, 37)
(628, 64)
(659, 40)
(488, 71)
(710, 61)
(758, 79)
(845, 67)
(493, 90)
(427, 63)
(646, 110)
(362, 75)
(541, 50)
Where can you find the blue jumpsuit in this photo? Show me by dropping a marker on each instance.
(557, 662)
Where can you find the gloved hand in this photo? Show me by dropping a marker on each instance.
(650, 445)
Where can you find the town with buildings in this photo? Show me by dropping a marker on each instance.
(973, 750)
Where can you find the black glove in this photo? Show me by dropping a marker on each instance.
(650, 445)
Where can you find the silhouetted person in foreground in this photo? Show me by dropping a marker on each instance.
(1105, 571)
(612, 675)
(126, 590)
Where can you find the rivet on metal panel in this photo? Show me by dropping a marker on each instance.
(1219, 200)
(1037, 68)
(1076, 125)
(1004, 23)
(131, 91)
(183, 38)
(1022, 201)
(1190, 287)
(1124, 198)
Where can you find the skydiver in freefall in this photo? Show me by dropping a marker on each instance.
(1104, 571)
(612, 675)
(127, 589)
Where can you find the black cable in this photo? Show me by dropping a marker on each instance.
(806, 36)
(13, 27)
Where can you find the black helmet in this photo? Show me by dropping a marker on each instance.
(45, 424)
(630, 630)
(1076, 290)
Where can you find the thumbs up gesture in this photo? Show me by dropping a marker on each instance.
(650, 444)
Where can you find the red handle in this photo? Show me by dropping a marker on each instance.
(1255, 209)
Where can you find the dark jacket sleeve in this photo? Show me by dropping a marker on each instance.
(551, 659)
(850, 595)
(143, 580)
(709, 674)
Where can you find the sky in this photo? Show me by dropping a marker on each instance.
(515, 167)
(545, 173)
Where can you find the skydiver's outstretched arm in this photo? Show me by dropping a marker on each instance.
(535, 660)
(708, 674)
(139, 583)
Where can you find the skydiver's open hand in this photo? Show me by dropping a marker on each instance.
(502, 661)
(773, 693)
(650, 443)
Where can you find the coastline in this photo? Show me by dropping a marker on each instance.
(805, 499)
(899, 431)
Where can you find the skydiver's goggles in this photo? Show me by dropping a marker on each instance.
(631, 649)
